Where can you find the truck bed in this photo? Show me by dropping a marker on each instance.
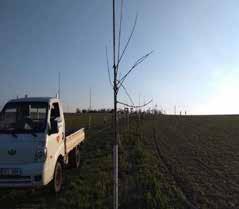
(74, 139)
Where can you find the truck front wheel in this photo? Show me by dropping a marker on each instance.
(58, 177)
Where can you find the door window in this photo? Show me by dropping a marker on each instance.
(55, 111)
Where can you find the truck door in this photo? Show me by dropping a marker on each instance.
(55, 138)
(56, 115)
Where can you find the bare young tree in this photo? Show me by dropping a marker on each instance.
(118, 83)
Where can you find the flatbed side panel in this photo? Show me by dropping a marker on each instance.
(74, 139)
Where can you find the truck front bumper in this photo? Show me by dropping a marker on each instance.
(31, 176)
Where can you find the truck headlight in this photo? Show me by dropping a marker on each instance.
(40, 155)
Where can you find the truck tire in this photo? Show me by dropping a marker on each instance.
(74, 158)
(58, 177)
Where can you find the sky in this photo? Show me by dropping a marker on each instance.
(194, 65)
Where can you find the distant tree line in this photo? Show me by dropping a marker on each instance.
(125, 110)
(103, 110)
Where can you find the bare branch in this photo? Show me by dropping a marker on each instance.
(128, 95)
(128, 41)
(119, 38)
(140, 60)
(133, 106)
(107, 59)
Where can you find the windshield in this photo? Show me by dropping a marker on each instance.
(22, 117)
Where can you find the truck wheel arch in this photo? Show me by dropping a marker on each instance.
(58, 177)
(61, 160)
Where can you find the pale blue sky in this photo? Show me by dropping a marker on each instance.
(195, 63)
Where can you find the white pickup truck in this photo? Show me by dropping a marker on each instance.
(34, 144)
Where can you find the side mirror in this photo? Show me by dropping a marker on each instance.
(54, 127)
(58, 120)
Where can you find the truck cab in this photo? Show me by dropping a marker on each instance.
(33, 149)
